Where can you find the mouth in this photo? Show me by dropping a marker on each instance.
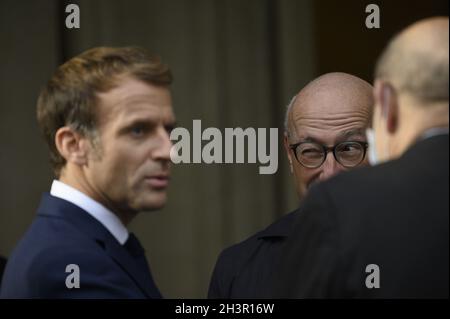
(158, 181)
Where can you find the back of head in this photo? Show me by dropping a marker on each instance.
(416, 61)
(70, 96)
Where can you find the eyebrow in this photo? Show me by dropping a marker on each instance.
(342, 136)
(146, 123)
(350, 133)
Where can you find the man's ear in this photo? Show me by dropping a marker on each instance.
(288, 153)
(385, 97)
(71, 145)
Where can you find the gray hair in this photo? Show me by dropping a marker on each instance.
(288, 111)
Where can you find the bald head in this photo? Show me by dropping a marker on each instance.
(334, 109)
(416, 61)
(331, 96)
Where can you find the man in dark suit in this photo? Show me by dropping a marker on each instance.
(383, 232)
(106, 116)
(324, 135)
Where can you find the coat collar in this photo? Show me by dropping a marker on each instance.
(280, 228)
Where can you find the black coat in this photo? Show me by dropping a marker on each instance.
(243, 270)
(393, 215)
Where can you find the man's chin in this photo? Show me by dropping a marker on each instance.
(153, 204)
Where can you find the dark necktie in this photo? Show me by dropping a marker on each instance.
(134, 247)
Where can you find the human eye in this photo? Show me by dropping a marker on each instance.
(138, 130)
(310, 150)
(350, 148)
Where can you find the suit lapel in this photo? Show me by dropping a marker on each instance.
(51, 206)
(135, 267)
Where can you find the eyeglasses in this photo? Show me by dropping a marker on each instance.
(312, 155)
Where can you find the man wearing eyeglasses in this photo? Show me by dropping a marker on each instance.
(324, 134)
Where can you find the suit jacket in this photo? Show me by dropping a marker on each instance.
(64, 234)
(243, 270)
(393, 216)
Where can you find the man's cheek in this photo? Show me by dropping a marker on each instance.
(310, 176)
(365, 162)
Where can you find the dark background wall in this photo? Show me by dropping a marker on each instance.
(236, 64)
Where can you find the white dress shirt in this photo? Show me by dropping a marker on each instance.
(107, 218)
(435, 131)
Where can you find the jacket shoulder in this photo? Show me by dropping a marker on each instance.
(234, 259)
(48, 253)
(237, 254)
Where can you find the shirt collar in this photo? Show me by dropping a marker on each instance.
(107, 218)
(434, 132)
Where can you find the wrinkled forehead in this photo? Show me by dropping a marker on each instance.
(135, 99)
(330, 114)
(333, 99)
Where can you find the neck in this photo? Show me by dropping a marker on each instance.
(416, 120)
(70, 176)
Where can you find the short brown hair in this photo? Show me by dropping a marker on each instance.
(70, 96)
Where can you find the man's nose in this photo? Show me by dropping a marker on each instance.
(162, 151)
(330, 167)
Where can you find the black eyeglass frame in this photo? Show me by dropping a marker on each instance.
(327, 149)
